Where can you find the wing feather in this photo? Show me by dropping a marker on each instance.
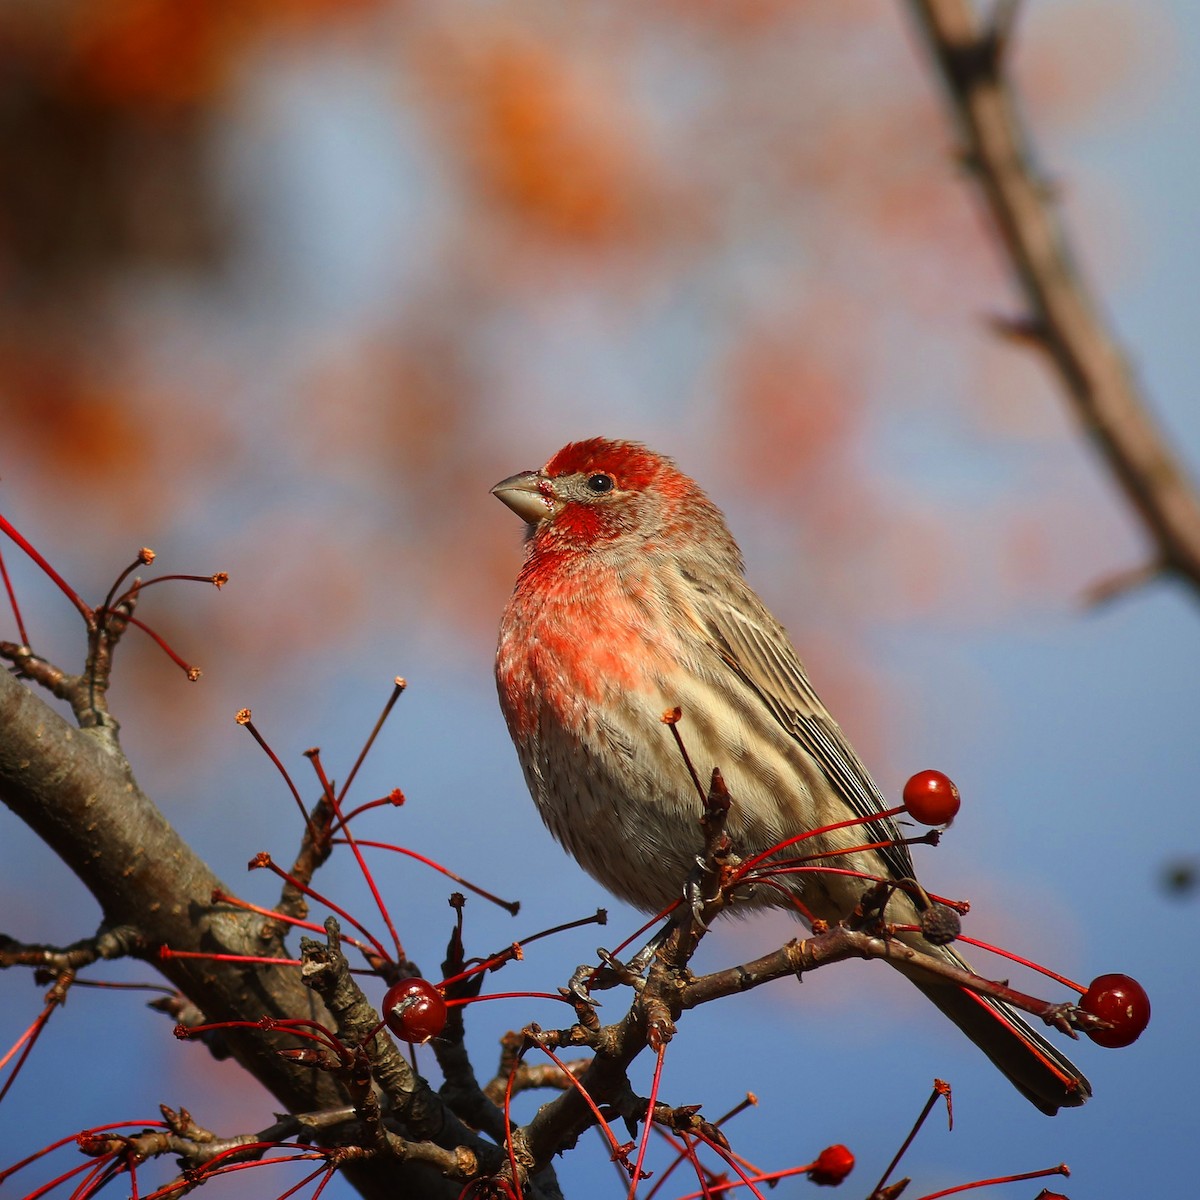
(755, 645)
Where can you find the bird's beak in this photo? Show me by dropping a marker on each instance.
(529, 494)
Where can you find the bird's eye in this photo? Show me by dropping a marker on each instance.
(599, 484)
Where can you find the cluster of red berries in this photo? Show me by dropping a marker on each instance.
(933, 799)
(415, 1010)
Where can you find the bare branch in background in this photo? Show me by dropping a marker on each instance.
(971, 54)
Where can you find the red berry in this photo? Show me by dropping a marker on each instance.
(833, 1164)
(1121, 1001)
(931, 798)
(414, 1010)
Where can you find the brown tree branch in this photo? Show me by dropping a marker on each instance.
(107, 944)
(840, 942)
(670, 991)
(1064, 319)
(76, 790)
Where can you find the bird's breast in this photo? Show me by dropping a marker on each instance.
(565, 651)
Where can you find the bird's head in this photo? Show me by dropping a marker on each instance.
(604, 494)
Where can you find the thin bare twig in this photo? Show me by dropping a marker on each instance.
(970, 54)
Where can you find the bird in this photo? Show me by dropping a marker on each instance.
(631, 601)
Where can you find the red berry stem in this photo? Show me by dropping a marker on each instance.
(299, 1027)
(145, 557)
(218, 580)
(29, 1033)
(62, 585)
(671, 719)
(790, 897)
(399, 683)
(192, 672)
(95, 1130)
(28, 1040)
(459, 1001)
(395, 798)
(599, 917)
(215, 1166)
(750, 863)
(263, 860)
(488, 964)
(326, 1168)
(924, 839)
(513, 906)
(940, 1089)
(222, 897)
(765, 876)
(646, 927)
(720, 1187)
(84, 1189)
(744, 1179)
(12, 600)
(335, 803)
(618, 1155)
(517, 1186)
(1025, 962)
(1061, 1169)
(684, 1152)
(244, 718)
(262, 959)
(648, 1122)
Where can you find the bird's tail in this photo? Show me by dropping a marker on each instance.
(1044, 1076)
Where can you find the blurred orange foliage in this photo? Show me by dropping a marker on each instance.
(545, 133)
(152, 53)
(689, 222)
(156, 53)
(792, 409)
(85, 433)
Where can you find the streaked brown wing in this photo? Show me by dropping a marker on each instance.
(754, 644)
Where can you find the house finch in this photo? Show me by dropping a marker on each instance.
(632, 601)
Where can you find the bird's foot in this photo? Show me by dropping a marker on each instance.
(612, 972)
(693, 894)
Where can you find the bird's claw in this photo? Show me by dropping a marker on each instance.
(579, 986)
(611, 973)
(1064, 1018)
(630, 973)
(693, 894)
